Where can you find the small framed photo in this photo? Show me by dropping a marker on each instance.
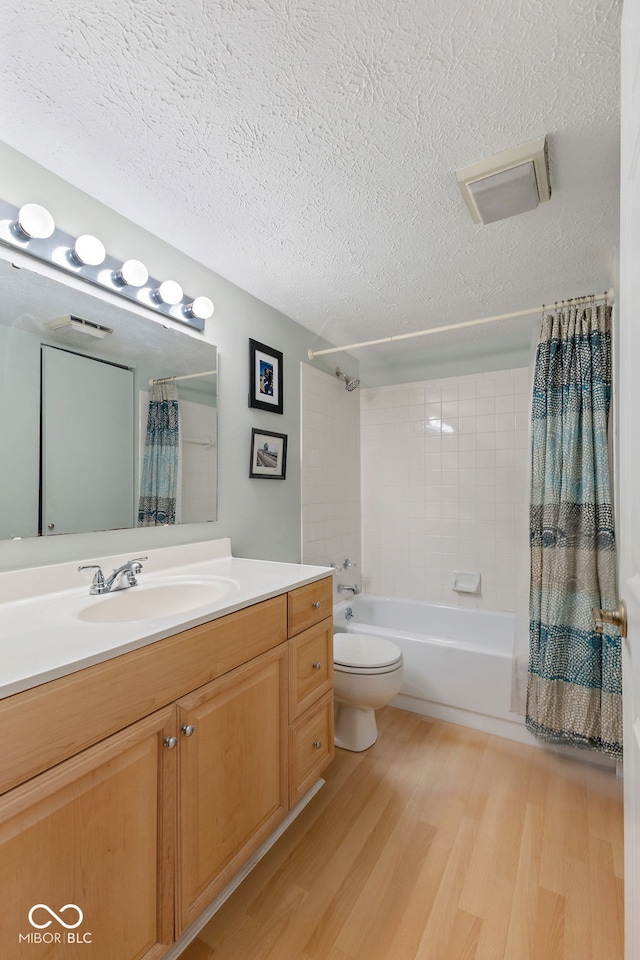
(268, 454)
(265, 377)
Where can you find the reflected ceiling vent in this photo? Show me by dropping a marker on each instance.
(78, 330)
(508, 183)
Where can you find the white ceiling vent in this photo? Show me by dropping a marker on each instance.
(506, 184)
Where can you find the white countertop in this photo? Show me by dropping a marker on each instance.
(42, 637)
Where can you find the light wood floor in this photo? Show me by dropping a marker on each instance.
(438, 843)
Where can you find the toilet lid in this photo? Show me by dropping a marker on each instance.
(363, 650)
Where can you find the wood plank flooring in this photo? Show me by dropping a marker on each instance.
(438, 843)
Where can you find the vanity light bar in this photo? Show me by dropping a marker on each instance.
(32, 230)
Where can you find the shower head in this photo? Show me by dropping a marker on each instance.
(351, 383)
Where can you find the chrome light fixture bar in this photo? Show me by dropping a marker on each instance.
(31, 230)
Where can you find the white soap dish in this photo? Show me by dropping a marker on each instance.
(465, 582)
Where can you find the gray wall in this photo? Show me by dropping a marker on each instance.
(433, 357)
(262, 517)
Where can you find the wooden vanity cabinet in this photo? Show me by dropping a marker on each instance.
(137, 788)
(96, 832)
(53, 721)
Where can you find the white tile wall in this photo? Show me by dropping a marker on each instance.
(330, 472)
(443, 486)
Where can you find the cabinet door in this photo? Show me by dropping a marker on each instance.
(232, 780)
(86, 852)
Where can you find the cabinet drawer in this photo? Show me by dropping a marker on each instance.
(311, 747)
(310, 666)
(309, 604)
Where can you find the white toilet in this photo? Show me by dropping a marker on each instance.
(367, 675)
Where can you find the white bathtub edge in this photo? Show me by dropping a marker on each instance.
(497, 727)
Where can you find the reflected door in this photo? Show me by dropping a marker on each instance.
(87, 444)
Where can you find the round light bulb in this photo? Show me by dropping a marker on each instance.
(89, 250)
(201, 308)
(169, 292)
(132, 273)
(35, 222)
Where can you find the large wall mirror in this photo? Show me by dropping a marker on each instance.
(74, 411)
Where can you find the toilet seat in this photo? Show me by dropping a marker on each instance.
(368, 673)
(364, 654)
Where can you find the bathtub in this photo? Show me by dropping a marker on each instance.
(457, 661)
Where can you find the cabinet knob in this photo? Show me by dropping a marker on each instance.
(170, 742)
(317, 666)
(316, 604)
(317, 744)
(188, 729)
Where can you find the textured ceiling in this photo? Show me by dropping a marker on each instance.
(306, 149)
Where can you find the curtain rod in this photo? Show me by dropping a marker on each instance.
(312, 354)
(186, 376)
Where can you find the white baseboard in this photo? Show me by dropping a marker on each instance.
(192, 932)
(499, 727)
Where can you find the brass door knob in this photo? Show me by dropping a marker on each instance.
(617, 618)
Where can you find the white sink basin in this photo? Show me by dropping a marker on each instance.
(157, 598)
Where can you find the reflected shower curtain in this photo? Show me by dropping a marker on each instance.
(575, 676)
(159, 483)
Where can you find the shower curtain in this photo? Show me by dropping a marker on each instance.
(575, 677)
(159, 483)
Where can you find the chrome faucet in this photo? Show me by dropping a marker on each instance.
(349, 588)
(102, 584)
(345, 565)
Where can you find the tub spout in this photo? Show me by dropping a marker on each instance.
(349, 588)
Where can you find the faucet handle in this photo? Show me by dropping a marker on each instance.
(135, 566)
(98, 584)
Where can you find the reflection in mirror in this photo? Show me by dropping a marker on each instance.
(75, 413)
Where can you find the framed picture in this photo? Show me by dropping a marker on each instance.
(265, 377)
(268, 454)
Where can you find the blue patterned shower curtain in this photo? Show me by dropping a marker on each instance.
(575, 676)
(159, 482)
